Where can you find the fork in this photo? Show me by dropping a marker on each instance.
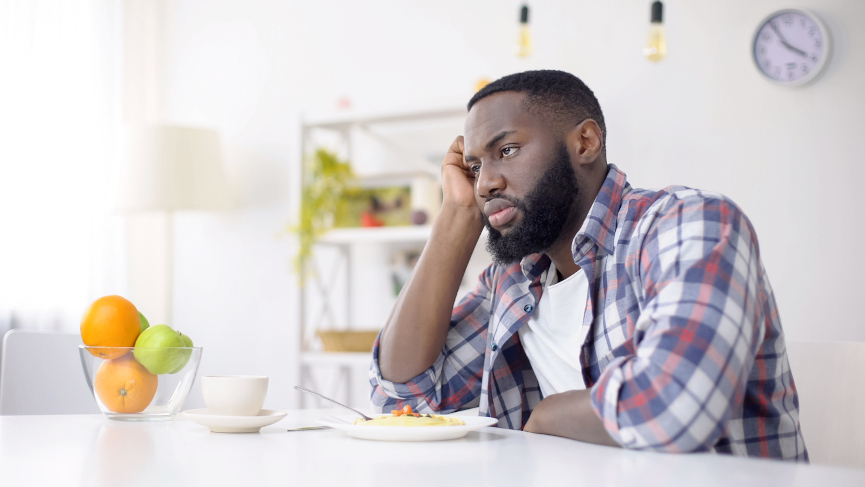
(301, 389)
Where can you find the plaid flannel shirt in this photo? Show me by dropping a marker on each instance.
(685, 352)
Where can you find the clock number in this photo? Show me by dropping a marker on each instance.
(788, 19)
(818, 42)
(804, 69)
(789, 74)
(766, 36)
(767, 63)
(812, 30)
(762, 49)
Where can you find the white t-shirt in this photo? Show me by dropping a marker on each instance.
(554, 334)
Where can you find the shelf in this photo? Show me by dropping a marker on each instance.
(336, 358)
(346, 119)
(348, 236)
(412, 139)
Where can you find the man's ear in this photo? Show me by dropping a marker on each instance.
(585, 142)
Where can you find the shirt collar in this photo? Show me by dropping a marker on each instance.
(599, 227)
(533, 265)
(600, 224)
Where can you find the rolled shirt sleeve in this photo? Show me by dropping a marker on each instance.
(453, 382)
(702, 322)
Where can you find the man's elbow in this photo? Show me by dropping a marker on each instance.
(670, 436)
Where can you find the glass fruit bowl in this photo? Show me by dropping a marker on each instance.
(138, 383)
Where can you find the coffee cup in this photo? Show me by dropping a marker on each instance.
(234, 395)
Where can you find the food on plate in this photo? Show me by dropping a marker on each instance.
(158, 349)
(124, 386)
(111, 321)
(407, 417)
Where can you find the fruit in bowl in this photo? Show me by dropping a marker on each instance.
(158, 348)
(111, 321)
(124, 386)
(144, 323)
(127, 385)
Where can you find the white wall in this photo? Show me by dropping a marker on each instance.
(704, 117)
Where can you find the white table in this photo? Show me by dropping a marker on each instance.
(91, 450)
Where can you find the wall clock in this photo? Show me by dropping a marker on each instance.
(791, 47)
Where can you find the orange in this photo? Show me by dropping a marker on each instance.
(111, 321)
(125, 386)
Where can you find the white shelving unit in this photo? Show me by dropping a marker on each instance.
(343, 376)
(345, 120)
(382, 235)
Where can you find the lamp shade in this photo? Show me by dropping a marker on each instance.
(169, 168)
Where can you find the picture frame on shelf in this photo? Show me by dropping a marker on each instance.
(402, 264)
(374, 207)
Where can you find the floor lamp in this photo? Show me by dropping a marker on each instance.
(168, 169)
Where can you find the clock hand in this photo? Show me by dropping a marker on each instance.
(784, 41)
(778, 33)
(797, 51)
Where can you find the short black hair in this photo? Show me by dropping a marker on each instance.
(561, 96)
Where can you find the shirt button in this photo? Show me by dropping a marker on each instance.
(494, 347)
(528, 308)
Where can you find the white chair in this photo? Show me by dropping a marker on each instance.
(830, 378)
(41, 374)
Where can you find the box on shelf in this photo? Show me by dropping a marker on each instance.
(347, 340)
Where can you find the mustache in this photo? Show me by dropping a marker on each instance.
(518, 204)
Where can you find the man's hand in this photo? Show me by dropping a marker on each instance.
(570, 415)
(415, 333)
(458, 183)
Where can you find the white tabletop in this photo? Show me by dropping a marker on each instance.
(92, 450)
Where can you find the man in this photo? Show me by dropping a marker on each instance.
(611, 315)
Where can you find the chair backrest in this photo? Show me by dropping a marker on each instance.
(41, 373)
(830, 379)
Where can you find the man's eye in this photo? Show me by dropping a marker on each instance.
(475, 168)
(507, 151)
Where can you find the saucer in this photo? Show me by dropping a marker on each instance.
(234, 424)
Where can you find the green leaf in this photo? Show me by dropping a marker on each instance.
(327, 179)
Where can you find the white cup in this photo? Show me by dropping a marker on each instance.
(234, 395)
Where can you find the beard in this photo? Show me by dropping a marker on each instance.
(546, 210)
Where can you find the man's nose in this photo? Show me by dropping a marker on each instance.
(490, 181)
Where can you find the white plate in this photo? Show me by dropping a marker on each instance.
(234, 424)
(406, 433)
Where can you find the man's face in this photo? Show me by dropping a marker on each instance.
(525, 184)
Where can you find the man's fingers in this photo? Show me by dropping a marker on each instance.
(457, 146)
(455, 155)
(457, 178)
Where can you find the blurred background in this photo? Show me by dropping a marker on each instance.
(267, 94)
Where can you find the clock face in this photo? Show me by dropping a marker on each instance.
(791, 47)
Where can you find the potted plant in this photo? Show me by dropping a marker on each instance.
(326, 180)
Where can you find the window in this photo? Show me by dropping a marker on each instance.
(60, 121)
